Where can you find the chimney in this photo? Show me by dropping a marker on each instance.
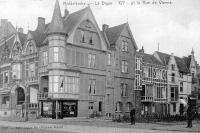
(20, 30)
(142, 50)
(105, 27)
(41, 24)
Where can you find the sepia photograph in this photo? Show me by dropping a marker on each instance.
(99, 66)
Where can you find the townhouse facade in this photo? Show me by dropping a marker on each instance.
(152, 83)
(68, 68)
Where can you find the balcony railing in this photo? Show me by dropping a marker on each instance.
(160, 100)
(147, 98)
(32, 79)
(45, 96)
(33, 106)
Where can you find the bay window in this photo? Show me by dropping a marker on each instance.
(56, 54)
(64, 84)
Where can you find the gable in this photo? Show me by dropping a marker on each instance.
(87, 16)
(172, 61)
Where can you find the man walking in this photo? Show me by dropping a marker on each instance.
(132, 115)
(189, 116)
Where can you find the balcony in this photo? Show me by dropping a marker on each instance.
(147, 99)
(45, 96)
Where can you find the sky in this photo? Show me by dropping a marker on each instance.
(175, 27)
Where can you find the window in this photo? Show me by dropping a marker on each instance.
(44, 58)
(55, 54)
(128, 106)
(173, 78)
(91, 107)
(31, 72)
(181, 86)
(174, 94)
(82, 36)
(5, 100)
(16, 71)
(138, 63)
(124, 89)
(91, 60)
(174, 107)
(181, 75)
(173, 66)
(124, 66)
(100, 106)
(92, 86)
(91, 38)
(124, 46)
(118, 107)
(5, 77)
(109, 59)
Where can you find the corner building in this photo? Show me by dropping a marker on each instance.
(67, 68)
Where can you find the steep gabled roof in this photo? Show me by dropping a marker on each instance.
(147, 58)
(38, 37)
(113, 33)
(181, 64)
(73, 19)
(163, 57)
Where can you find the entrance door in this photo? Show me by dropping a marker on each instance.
(69, 108)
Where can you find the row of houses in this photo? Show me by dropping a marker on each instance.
(71, 68)
(167, 82)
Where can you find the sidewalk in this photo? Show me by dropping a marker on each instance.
(77, 128)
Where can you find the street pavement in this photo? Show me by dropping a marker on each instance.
(138, 128)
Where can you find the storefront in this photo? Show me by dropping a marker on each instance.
(66, 108)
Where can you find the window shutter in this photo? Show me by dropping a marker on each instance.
(36, 69)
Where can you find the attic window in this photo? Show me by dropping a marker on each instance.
(88, 24)
(82, 36)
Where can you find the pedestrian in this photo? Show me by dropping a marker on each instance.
(132, 115)
(189, 116)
